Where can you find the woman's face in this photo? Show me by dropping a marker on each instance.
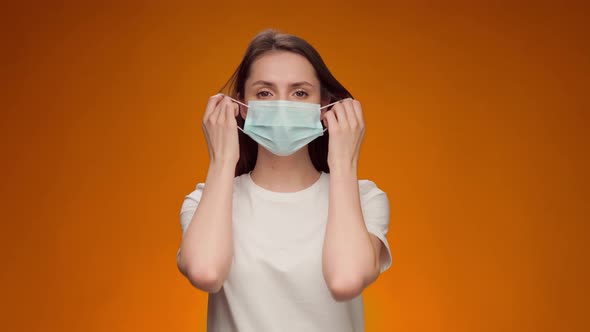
(282, 75)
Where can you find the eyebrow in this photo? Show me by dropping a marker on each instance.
(295, 84)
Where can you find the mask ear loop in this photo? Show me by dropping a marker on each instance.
(336, 102)
(239, 102)
(329, 106)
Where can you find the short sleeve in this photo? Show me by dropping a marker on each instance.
(375, 208)
(188, 208)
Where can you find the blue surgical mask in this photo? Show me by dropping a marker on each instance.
(283, 126)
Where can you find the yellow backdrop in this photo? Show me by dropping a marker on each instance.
(477, 128)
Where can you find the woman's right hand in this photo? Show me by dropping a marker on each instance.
(220, 129)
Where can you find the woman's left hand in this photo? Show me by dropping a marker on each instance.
(347, 128)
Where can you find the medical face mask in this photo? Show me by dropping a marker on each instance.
(282, 126)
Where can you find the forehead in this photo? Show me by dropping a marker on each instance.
(282, 68)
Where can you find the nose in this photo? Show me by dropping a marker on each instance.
(282, 95)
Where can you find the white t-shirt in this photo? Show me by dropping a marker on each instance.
(276, 282)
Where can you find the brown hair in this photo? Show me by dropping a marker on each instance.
(271, 40)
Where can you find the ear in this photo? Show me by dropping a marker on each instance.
(243, 110)
(325, 101)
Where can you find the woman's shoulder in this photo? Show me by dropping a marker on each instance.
(367, 186)
(239, 181)
(371, 193)
(195, 193)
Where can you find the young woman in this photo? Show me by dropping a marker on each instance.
(282, 234)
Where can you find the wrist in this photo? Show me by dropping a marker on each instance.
(343, 168)
(221, 167)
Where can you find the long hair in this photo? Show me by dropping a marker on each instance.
(271, 40)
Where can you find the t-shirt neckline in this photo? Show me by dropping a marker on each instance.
(300, 194)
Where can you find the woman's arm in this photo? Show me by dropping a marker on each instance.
(351, 254)
(206, 250)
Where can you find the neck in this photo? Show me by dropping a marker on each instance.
(284, 174)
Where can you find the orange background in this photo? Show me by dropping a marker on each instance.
(477, 128)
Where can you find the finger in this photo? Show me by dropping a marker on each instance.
(223, 110)
(331, 121)
(230, 116)
(340, 112)
(211, 105)
(358, 111)
(349, 112)
(236, 109)
(214, 117)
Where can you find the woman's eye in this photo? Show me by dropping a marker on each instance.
(301, 93)
(263, 94)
